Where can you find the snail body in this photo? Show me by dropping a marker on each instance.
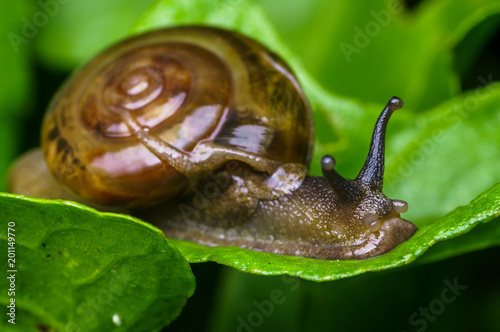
(207, 134)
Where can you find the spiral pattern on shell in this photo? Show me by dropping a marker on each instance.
(183, 85)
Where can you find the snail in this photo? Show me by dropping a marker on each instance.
(207, 134)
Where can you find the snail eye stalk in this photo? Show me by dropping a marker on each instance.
(348, 191)
(372, 173)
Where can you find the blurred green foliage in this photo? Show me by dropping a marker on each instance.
(340, 41)
(15, 85)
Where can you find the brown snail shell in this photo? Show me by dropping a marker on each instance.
(182, 86)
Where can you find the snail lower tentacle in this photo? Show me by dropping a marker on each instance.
(207, 134)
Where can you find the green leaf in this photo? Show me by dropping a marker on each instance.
(77, 268)
(480, 238)
(481, 210)
(442, 159)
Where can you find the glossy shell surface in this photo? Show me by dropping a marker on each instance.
(185, 86)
